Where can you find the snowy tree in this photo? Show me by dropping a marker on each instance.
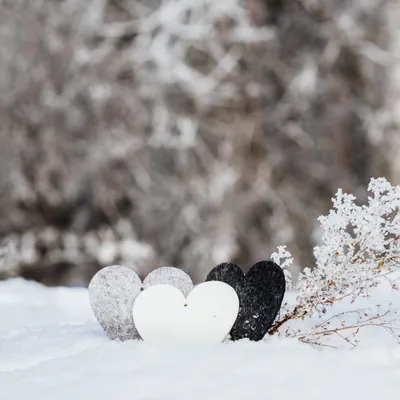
(196, 131)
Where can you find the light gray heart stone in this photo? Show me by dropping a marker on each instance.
(169, 276)
(113, 290)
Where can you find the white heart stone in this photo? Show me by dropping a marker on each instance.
(113, 290)
(163, 315)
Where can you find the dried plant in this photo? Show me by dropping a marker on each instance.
(360, 251)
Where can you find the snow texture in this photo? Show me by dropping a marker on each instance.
(52, 348)
(113, 290)
(260, 293)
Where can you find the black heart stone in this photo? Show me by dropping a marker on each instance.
(260, 293)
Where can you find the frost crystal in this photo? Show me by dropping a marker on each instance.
(285, 260)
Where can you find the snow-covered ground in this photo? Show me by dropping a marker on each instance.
(52, 348)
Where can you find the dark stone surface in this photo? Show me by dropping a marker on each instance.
(260, 293)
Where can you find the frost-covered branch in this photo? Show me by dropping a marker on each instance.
(360, 250)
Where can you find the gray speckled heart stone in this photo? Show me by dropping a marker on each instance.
(169, 276)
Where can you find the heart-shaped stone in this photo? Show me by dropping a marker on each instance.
(163, 315)
(113, 290)
(260, 293)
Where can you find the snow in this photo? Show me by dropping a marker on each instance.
(52, 348)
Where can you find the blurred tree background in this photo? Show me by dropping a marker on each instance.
(187, 132)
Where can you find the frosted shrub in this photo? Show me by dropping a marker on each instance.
(360, 250)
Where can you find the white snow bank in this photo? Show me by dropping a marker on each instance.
(52, 348)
